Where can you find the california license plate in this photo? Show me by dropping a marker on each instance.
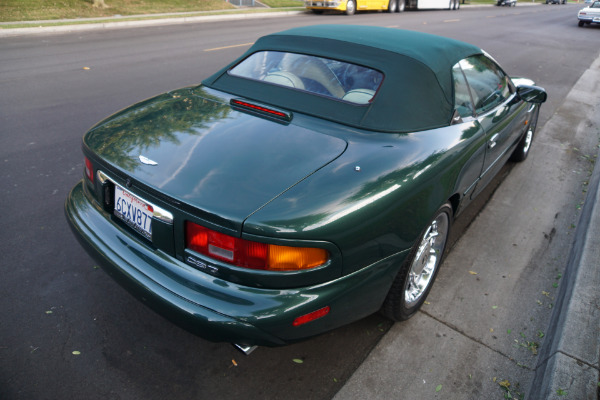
(134, 211)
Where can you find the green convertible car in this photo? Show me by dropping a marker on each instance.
(308, 184)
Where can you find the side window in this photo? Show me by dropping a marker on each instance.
(489, 85)
(462, 98)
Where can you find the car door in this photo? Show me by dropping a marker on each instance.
(497, 109)
(471, 133)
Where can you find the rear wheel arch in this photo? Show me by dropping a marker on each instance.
(419, 270)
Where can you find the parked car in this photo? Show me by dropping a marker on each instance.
(556, 1)
(509, 3)
(590, 14)
(306, 185)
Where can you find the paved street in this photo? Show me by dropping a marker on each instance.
(488, 312)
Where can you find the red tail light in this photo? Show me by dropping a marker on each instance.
(249, 254)
(89, 170)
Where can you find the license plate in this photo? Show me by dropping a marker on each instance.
(134, 211)
(597, 19)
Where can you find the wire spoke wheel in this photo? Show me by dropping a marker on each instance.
(522, 150)
(426, 261)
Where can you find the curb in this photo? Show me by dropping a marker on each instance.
(569, 363)
(116, 24)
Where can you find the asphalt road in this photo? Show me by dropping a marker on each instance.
(55, 301)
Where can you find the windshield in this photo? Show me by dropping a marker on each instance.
(340, 80)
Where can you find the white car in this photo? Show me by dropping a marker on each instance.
(590, 14)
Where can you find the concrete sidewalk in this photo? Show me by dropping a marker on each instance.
(567, 364)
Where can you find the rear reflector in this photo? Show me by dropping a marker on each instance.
(89, 170)
(249, 254)
(311, 316)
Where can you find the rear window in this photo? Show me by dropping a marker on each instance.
(331, 78)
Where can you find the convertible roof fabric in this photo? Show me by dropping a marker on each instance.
(417, 91)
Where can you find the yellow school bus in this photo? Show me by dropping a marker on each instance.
(351, 6)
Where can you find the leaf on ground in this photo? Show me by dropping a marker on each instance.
(48, 312)
(494, 307)
(505, 383)
(76, 353)
(298, 360)
(438, 388)
(473, 272)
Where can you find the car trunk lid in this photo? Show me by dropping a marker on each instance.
(200, 151)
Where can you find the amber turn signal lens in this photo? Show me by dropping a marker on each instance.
(290, 258)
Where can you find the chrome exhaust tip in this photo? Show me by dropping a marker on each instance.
(244, 348)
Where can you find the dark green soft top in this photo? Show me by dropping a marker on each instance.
(417, 90)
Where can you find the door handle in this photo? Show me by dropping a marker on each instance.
(492, 143)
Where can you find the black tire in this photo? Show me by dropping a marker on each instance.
(318, 12)
(522, 150)
(401, 6)
(350, 7)
(421, 266)
(392, 6)
(581, 23)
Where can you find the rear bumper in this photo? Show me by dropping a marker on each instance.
(213, 308)
(589, 19)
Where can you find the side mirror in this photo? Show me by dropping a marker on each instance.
(532, 94)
